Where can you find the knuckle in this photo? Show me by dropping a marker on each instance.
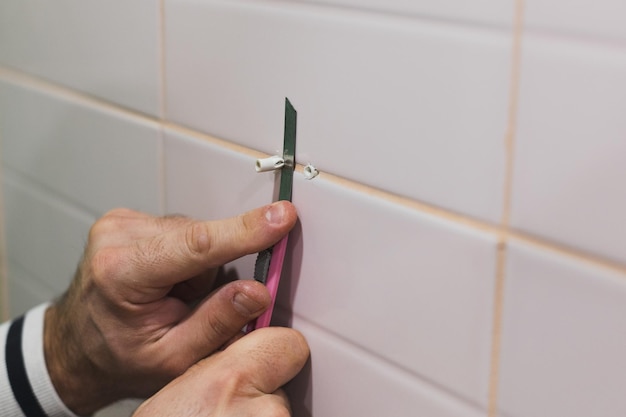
(103, 264)
(245, 223)
(99, 228)
(218, 328)
(112, 221)
(197, 239)
(245, 231)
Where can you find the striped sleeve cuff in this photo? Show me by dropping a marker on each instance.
(25, 385)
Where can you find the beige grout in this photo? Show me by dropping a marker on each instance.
(504, 233)
(214, 140)
(162, 107)
(162, 60)
(4, 268)
(569, 252)
(410, 203)
(67, 93)
(498, 307)
(500, 232)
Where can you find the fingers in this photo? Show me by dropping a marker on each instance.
(161, 261)
(267, 358)
(215, 322)
(243, 380)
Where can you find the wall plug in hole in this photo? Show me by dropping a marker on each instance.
(310, 172)
(269, 164)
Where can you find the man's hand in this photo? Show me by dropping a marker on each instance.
(126, 327)
(243, 380)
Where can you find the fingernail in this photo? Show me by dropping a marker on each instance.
(245, 305)
(275, 213)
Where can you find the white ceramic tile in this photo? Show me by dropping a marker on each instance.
(105, 48)
(210, 182)
(98, 158)
(206, 181)
(24, 291)
(497, 12)
(569, 166)
(343, 380)
(564, 337)
(598, 17)
(414, 289)
(45, 236)
(414, 108)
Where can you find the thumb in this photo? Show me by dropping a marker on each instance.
(230, 382)
(164, 260)
(265, 359)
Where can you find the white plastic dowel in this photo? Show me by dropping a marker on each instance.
(269, 164)
(310, 172)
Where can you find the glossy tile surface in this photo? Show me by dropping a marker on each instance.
(415, 108)
(480, 11)
(377, 274)
(108, 103)
(45, 236)
(369, 270)
(207, 181)
(564, 337)
(569, 165)
(105, 48)
(340, 377)
(25, 292)
(596, 18)
(99, 159)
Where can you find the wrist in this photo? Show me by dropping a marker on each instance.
(77, 379)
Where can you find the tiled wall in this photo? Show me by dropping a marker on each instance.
(463, 252)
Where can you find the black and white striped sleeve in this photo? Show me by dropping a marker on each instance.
(25, 386)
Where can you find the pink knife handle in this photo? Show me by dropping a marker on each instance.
(273, 278)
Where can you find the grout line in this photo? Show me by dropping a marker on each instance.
(505, 221)
(572, 36)
(162, 108)
(514, 91)
(4, 269)
(466, 23)
(410, 203)
(503, 233)
(568, 252)
(52, 196)
(162, 172)
(30, 81)
(496, 341)
(162, 57)
(214, 140)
